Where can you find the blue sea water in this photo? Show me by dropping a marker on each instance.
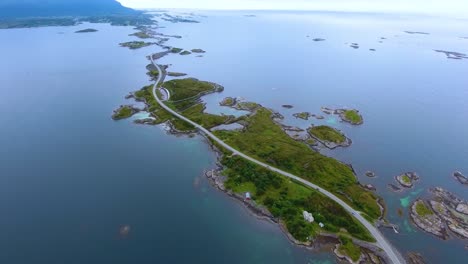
(70, 177)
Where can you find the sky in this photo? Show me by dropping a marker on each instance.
(457, 8)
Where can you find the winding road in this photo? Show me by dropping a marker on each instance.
(380, 240)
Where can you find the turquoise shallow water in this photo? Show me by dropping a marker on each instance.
(413, 99)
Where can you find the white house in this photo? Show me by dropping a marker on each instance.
(308, 216)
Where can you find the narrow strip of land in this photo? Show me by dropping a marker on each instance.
(380, 240)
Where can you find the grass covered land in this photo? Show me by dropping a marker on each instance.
(406, 179)
(136, 44)
(123, 112)
(88, 30)
(176, 50)
(185, 52)
(198, 51)
(182, 89)
(264, 140)
(327, 133)
(422, 209)
(141, 34)
(286, 200)
(348, 248)
(353, 117)
(197, 115)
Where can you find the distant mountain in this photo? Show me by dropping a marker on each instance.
(48, 8)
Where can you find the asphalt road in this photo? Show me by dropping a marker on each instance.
(380, 240)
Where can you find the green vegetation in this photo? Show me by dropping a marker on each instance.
(406, 179)
(176, 50)
(352, 116)
(185, 52)
(422, 209)
(228, 101)
(88, 30)
(141, 34)
(302, 115)
(183, 89)
(115, 20)
(248, 106)
(176, 74)
(136, 44)
(327, 133)
(196, 114)
(264, 140)
(348, 248)
(161, 115)
(286, 200)
(198, 51)
(123, 112)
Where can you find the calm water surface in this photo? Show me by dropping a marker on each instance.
(412, 98)
(70, 177)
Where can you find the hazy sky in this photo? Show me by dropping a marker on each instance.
(454, 7)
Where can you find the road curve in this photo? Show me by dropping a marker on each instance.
(381, 241)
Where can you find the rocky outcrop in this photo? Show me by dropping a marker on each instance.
(414, 258)
(287, 106)
(407, 179)
(453, 210)
(370, 174)
(427, 220)
(228, 101)
(461, 178)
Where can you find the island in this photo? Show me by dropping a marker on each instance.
(302, 115)
(176, 74)
(351, 116)
(176, 50)
(407, 179)
(185, 52)
(141, 34)
(424, 218)
(416, 32)
(198, 51)
(265, 191)
(460, 178)
(136, 44)
(328, 136)
(124, 111)
(453, 54)
(445, 212)
(287, 106)
(88, 30)
(228, 101)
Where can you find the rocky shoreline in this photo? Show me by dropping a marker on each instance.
(442, 213)
(407, 179)
(460, 178)
(370, 253)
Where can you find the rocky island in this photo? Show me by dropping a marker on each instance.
(302, 115)
(329, 137)
(125, 111)
(424, 218)
(407, 179)
(351, 116)
(88, 30)
(460, 178)
(136, 44)
(446, 213)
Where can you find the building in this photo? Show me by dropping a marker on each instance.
(308, 216)
(321, 225)
(247, 196)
